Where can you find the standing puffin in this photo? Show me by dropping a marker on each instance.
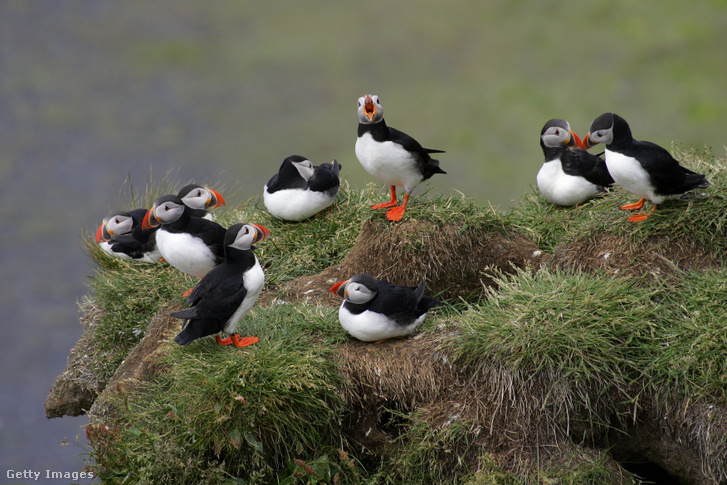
(191, 244)
(641, 167)
(121, 235)
(200, 199)
(569, 177)
(227, 292)
(390, 155)
(300, 190)
(375, 310)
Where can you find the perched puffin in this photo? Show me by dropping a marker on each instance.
(641, 167)
(390, 155)
(191, 244)
(301, 190)
(375, 310)
(121, 235)
(227, 292)
(200, 199)
(569, 177)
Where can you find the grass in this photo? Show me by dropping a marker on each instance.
(701, 211)
(572, 353)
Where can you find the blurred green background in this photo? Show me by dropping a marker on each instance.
(96, 92)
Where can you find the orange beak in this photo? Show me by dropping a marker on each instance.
(262, 232)
(99, 234)
(216, 200)
(588, 142)
(150, 222)
(369, 108)
(338, 288)
(578, 142)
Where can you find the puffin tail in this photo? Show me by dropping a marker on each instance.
(195, 329)
(696, 181)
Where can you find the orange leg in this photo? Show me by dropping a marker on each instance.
(635, 206)
(223, 341)
(641, 217)
(396, 213)
(391, 203)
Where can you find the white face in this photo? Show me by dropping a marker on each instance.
(197, 198)
(369, 109)
(555, 136)
(168, 212)
(119, 224)
(358, 293)
(245, 238)
(603, 136)
(305, 168)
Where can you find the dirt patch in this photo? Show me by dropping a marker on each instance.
(505, 413)
(451, 260)
(617, 254)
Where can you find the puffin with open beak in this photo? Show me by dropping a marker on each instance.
(391, 156)
(376, 310)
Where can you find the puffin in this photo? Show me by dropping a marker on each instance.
(301, 190)
(228, 292)
(643, 168)
(121, 235)
(391, 156)
(376, 310)
(569, 177)
(191, 244)
(200, 199)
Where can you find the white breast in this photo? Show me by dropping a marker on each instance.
(388, 162)
(562, 189)
(629, 174)
(253, 281)
(185, 252)
(371, 327)
(296, 204)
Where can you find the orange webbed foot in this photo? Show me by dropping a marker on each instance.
(187, 293)
(385, 205)
(238, 341)
(223, 341)
(638, 218)
(395, 213)
(391, 203)
(635, 206)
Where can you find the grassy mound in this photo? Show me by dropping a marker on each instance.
(569, 342)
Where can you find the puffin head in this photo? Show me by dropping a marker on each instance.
(556, 133)
(116, 224)
(196, 196)
(359, 289)
(298, 164)
(369, 109)
(601, 131)
(243, 235)
(166, 209)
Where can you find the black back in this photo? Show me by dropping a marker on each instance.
(666, 174)
(217, 296)
(402, 304)
(428, 166)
